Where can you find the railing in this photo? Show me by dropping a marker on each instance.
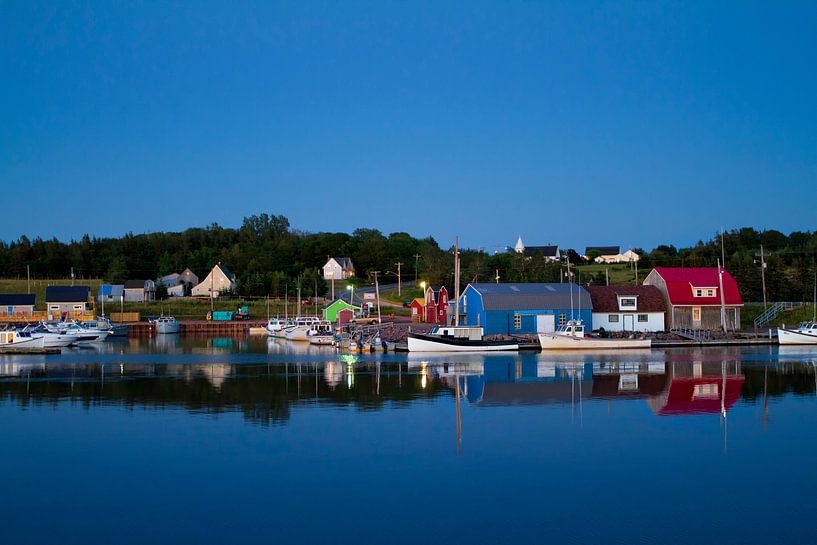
(771, 313)
(693, 334)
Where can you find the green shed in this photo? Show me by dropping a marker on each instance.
(330, 313)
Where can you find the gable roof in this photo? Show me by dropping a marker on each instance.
(345, 263)
(547, 251)
(225, 270)
(135, 284)
(67, 294)
(603, 250)
(113, 290)
(17, 299)
(681, 281)
(605, 298)
(342, 304)
(530, 296)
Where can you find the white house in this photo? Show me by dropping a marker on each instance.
(612, 254)
(549, 252)
(338, 268)
(628, 308)
(219, 280)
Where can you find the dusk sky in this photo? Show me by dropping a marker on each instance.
(565, 122)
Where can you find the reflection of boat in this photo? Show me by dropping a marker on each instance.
(166, 324)
(457, 339)
(571, 337)
(806, 333)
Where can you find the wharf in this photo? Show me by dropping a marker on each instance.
(199, 327)
(678, 343)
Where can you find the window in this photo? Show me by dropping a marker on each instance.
(517, 321)
(562, 319)
(78, 307)
(643, 318)
(704, 292)
(626, 303)
(696, 314)
(612, 318)
(710, 293)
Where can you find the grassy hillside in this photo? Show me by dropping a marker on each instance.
(620, 273)
(12, 285)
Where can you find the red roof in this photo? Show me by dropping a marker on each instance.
(682, 280)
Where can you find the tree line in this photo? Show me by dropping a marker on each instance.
(271, 258)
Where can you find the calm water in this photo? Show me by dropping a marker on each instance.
(237, 441)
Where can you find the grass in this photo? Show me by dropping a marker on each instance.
(620, 273)
(407, 294)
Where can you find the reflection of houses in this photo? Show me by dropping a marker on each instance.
(432, 308)
(219, 280)
(627, 308)
(513, 382)
(523, 308)
(699, 388)
(693, 297)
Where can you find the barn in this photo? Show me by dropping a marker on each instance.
(627, 308)
(692, 296)
(523, 308)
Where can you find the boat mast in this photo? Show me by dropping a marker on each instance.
(570, 280)
(286, 300)
(456, 281)
(723, 300)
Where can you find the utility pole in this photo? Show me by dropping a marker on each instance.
(607, 276)
(416, 257)
(457, 281)
(497, 276)
(72, 276)
(763, 274)
(28, 278)
(399, 284)
(377, 294)
(636, 272)
(211, 293)
(723, 300)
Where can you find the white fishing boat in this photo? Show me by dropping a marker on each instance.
(805, 333)
(321, 333)
(103, 323)
(300, 330)
(457, 339)
(51, 339)
(275, 327)
(571, 336)
(166, 325)
(84, 335)
(14, 339)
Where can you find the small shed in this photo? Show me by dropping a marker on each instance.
(110, 293)
(139, 291)
(331, 312)
(523, 308)
(627, 308)
(14, 304)
(67, 300)
(418, 306)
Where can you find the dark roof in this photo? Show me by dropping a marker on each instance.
(344, 262)
(67, 294)
(531, 296)
(226, 271)
(17, 299)
(603, 250)
(135, 284)
(605, 298)
(547, 251)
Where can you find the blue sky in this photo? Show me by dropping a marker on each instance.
(567, 122)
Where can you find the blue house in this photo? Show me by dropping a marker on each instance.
(523, 308)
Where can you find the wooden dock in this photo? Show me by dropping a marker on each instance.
(199, 327)
(29, 351)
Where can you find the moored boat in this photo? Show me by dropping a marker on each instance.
(806, 333)
(166, 325)
(276, 326)
(321, 333)
(571, 336)
(457, 339)
(300, 330)
(14, 339)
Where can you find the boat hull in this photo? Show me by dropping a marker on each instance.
(321, 340)
(299, 333)
(418, 342)
(167, 327)
(56, 340)
(549, 341)
(27, 342)
(792, 336)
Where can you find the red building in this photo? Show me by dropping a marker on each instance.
(431, 309)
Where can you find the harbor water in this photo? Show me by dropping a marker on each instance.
(177, 440)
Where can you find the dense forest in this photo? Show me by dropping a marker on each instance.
(267, 255)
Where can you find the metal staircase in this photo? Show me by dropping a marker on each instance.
(771, 313)
(693, 334)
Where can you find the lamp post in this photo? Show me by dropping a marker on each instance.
(425, 303)
(351, 287)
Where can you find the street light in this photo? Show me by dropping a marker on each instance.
(352, 296)
(425, 305)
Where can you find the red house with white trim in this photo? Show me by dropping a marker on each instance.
(693, 296)
(431, 309)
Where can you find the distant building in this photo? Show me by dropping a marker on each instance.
(627, 308)
(176, 283)
(140, 291)
(549, 252)
(170, 280)
(110, 293)
(338, 268)
(219, 280)
(693, 298)
(629, 256)
(188, 277)
(66, 301)
(334, 312)
(523, 308)
(13, 304)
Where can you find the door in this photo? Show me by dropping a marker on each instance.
(545, 323)
(628, 322)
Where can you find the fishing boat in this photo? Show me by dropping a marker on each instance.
(321, 333)
(806, 333)
(51, 339)
(457, 339)
(276, 326)
(571, 336)
(166, 325)
(84, 335)
(300, 330)
(103, 323)
(13, 339)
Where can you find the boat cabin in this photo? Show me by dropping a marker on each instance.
(469, 333)
(572, 328)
